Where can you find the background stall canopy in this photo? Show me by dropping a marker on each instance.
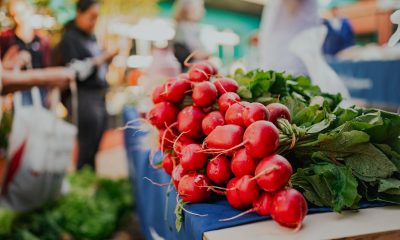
(336, 3)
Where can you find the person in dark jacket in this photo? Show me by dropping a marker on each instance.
(340, 34)
(24, 38)
(78, 43)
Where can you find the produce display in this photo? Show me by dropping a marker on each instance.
(272, 144)
(92, 209)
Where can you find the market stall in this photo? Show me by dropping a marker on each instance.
(156, 206)
(235, 150)
(374, 82)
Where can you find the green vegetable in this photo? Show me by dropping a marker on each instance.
(5, 129)
(92, 209)
(179, 214)
(326, 184)
(7, 218)
(342, 154)
(390, 185)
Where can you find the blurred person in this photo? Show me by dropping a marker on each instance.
(11, 81)
(23, 37)
(340, 34)
(79, 43)
(187, 14)
(282, 20)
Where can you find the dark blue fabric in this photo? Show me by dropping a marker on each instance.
(337, 40)
(27, 97)
(156, 211)
(375, 82)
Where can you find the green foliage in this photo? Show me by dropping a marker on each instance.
(326, 184)
(92, 209)
(5, 129)
(179, 215)
(343, 154)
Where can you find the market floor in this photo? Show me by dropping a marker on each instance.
(112, 163)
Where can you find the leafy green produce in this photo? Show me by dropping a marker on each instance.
(92, 209)
(342, 154)
(7, 218)
(326, 184)
(5, 129)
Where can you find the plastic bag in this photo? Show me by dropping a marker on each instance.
(40, 151)
(307, 46)
(395, 18)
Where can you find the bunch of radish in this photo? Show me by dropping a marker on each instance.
(214, 143)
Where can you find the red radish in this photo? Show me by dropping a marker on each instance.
(180, 144)
(248, 189)
(226, 100)
(262, 206)
(208, 109)
(189, 121)
(232, 195)
(224, 137)
(289, 208)
(218, 170)
(204, 94)
(278, 110)
(225, 85)
(273, 173)
(211, 121)
(192, 158)
(243, 164)
(234, 115)
(157, 96)
(175, 89)
(254, 112)
(166, 138)
(177, 173)
(192, 188)
(168, 163)
(261, 138)
(163, 114)
(200, 72)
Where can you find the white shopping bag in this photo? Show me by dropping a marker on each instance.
(307, 46)
(40, 151)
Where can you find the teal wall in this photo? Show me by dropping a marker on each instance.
(243, 24)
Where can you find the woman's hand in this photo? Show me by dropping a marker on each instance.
(16, 59)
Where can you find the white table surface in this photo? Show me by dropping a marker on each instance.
(317, 226)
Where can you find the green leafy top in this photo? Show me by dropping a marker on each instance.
(342, 153)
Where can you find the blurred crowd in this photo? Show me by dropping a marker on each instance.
(28, 60)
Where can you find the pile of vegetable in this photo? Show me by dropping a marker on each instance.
(5, 129)
(92, 209)
(269, 142)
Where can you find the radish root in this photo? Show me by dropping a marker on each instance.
(266, 171)
(156, 183)
(168, 128)
(187, 60)
(187, 211)
(222, 151)
(238, 216)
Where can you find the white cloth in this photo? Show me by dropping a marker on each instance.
(395, 18)
(41, 149)
(307, 46)
(280, 24)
